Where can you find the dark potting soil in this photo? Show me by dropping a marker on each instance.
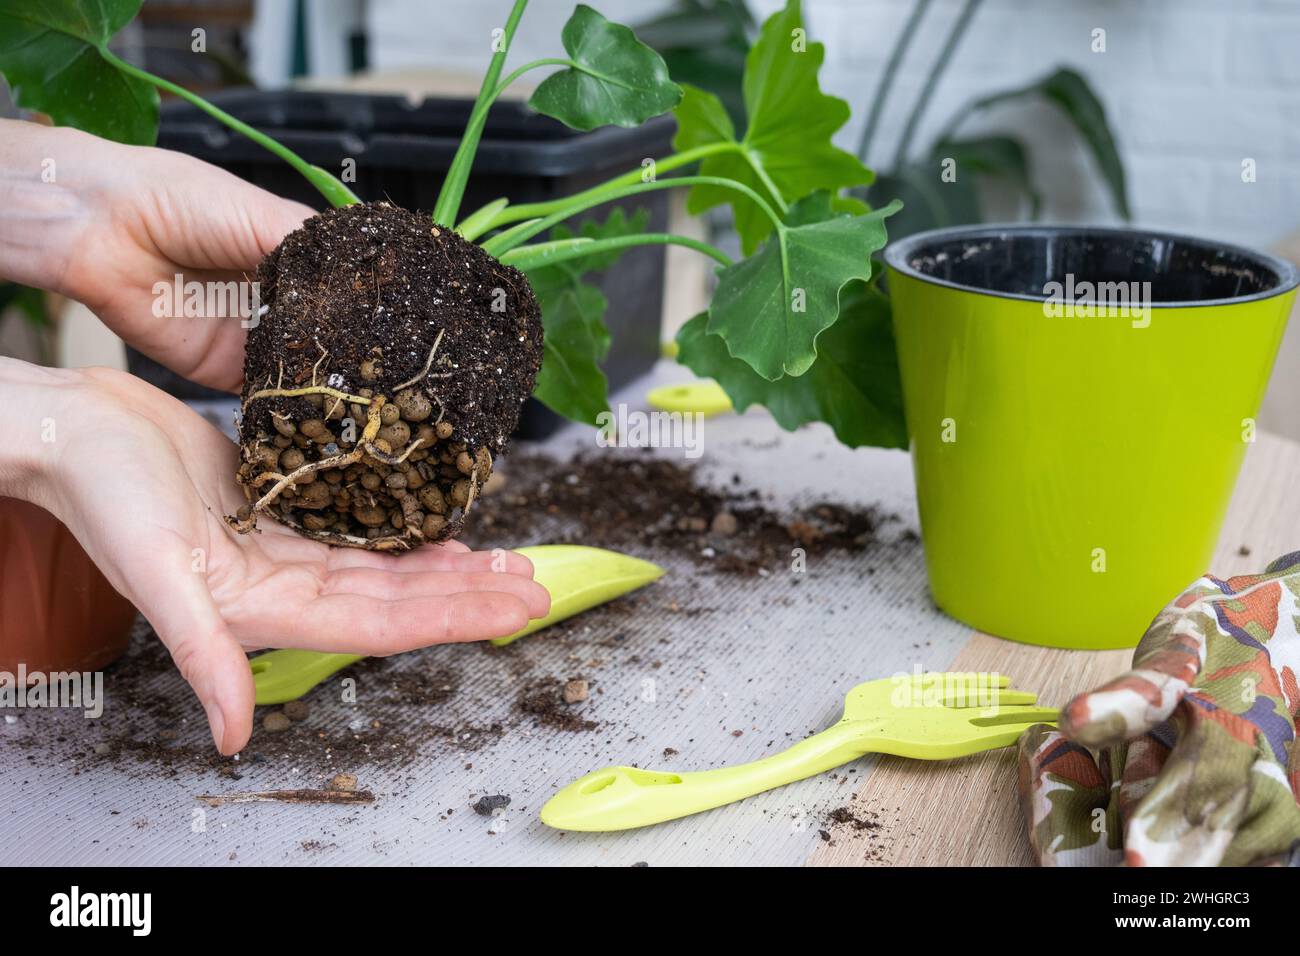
(865, 828)
(848, 817)
(544, 701)
(644, 504)
(414, 351)
(485, 806)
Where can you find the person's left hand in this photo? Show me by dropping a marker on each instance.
(114, 220)
(144, 484)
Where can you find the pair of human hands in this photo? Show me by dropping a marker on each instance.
(143, 482)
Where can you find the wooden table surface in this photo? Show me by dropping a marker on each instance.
(981, 824)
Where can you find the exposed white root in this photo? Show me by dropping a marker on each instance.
(427, 365)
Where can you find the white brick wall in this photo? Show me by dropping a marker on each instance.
(1191, 88)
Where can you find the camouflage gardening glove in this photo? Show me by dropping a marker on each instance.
(1191, 758)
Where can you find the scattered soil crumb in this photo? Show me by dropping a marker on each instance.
(543, 700)
(845, 816)
(486, 806)
(343, 781)
(857, 825)
(297, 710)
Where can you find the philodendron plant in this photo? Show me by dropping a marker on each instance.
(394, 351)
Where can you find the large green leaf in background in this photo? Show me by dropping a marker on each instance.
(853, 386)
(930, 202)
(786, 152)
(1067, 90)
(50, 54)
(573, 318)
(771, 307)
(613, 78)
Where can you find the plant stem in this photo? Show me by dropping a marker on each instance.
(887, 77)
(666, 164)
(501, 244)
(453, 187)
(480, 220)
(562, 250)
(549, 61)
(762, 175)
(932, 81)
(329, 185)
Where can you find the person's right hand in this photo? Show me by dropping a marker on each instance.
(144, 484)
(114, 220)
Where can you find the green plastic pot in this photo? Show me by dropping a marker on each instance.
(1073, 469)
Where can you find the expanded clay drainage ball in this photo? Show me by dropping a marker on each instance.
(383, 380)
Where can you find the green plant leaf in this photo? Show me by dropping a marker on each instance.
(771, 307)
(786, 152)
(853, 386)
(930, 201)
(613, 78)
(51, 54)
(704, 43)
(28, 301)
(573, 318)
(1074, 97)
(1003, 157)
(701, 120)
(571, 382)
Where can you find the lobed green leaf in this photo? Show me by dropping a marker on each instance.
(853, 385)
(771, 307)
(613, 78)
(786, 152)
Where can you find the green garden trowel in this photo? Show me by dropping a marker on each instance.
(578, 578)
(704, 397)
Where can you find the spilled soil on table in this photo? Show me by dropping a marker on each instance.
(454, 700)
(637, 502)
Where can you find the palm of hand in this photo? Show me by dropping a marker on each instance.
(212, 594)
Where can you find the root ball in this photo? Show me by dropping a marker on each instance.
(380, 386)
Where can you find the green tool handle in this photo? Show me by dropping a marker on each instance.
(289, 673)
(619, 798)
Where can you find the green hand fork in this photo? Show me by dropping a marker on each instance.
(935, 716)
